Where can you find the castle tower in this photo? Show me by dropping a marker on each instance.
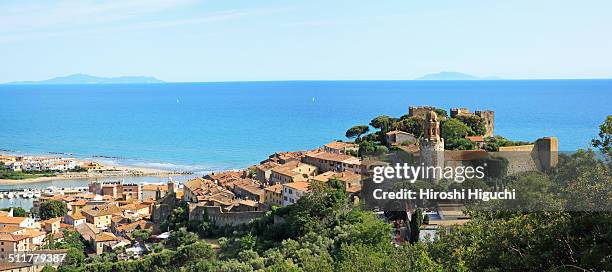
(489, 117)
(432, 145)
(171, 186)
(431, 127)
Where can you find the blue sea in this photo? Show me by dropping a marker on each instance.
(212, 126)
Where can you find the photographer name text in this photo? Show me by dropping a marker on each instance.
(430, 194)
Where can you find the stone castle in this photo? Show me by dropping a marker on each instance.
(487, 115)
(540, 156)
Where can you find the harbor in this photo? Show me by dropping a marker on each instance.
(23, 195)
(36, 193)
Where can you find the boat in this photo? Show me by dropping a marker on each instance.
(10, 195)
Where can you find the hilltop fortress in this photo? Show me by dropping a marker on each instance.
(487, 115)
(238, 197)
(542, 155)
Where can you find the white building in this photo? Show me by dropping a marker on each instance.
(293, 191)
(24, 222)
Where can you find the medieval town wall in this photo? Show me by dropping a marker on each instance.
(220, 218)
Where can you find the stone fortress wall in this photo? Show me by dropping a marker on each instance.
(220, 218)
(540, 156)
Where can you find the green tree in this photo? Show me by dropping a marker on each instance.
(416, 221)
(453, 129)
(357, 131)
(458, 144)
(411, 125)
(384, 123)
(442, 114)
(47, 268)
(604, 141)
(476, 123)
(141, 235)
(51, 209)
(75, 257)
(192, 252)
(178, 218)
(492, 144)
(366, 148)
(181, 237)
(17, 211)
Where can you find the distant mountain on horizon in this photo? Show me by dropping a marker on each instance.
(454, 76)
(89, 79)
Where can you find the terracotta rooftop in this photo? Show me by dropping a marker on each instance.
(135, 206)
(10, 229)
(343, 158)
(140, 224)
(342, 176)
(354, 189)
(249, 185)
(155, 187)
(33, 233)
(205, 188)
(248, 202)
(289, 169)
(12, 220)
(398, 132)
(340, 145)
(300, 185)
(100, 210)
(224, 176)
(76, 216)
(87, 231)
(53, 220)
(117, 218)
(277, 188)
(12, 237)
(267, 166)
(285, 156)
(106, 237)
(80, 202)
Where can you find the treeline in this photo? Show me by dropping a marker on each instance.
(7, 174)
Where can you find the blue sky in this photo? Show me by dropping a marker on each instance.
(187, 40)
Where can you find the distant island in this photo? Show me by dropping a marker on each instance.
(454, 76)
(89, 79)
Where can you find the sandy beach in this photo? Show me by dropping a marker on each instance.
(109, 171)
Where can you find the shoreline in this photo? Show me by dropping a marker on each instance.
(109, 172)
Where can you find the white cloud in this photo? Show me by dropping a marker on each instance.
(53, 19)
(62, 15)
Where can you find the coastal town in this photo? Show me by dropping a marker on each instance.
(21, 169)
(112, 215)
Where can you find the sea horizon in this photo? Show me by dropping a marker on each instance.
(36, 83)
